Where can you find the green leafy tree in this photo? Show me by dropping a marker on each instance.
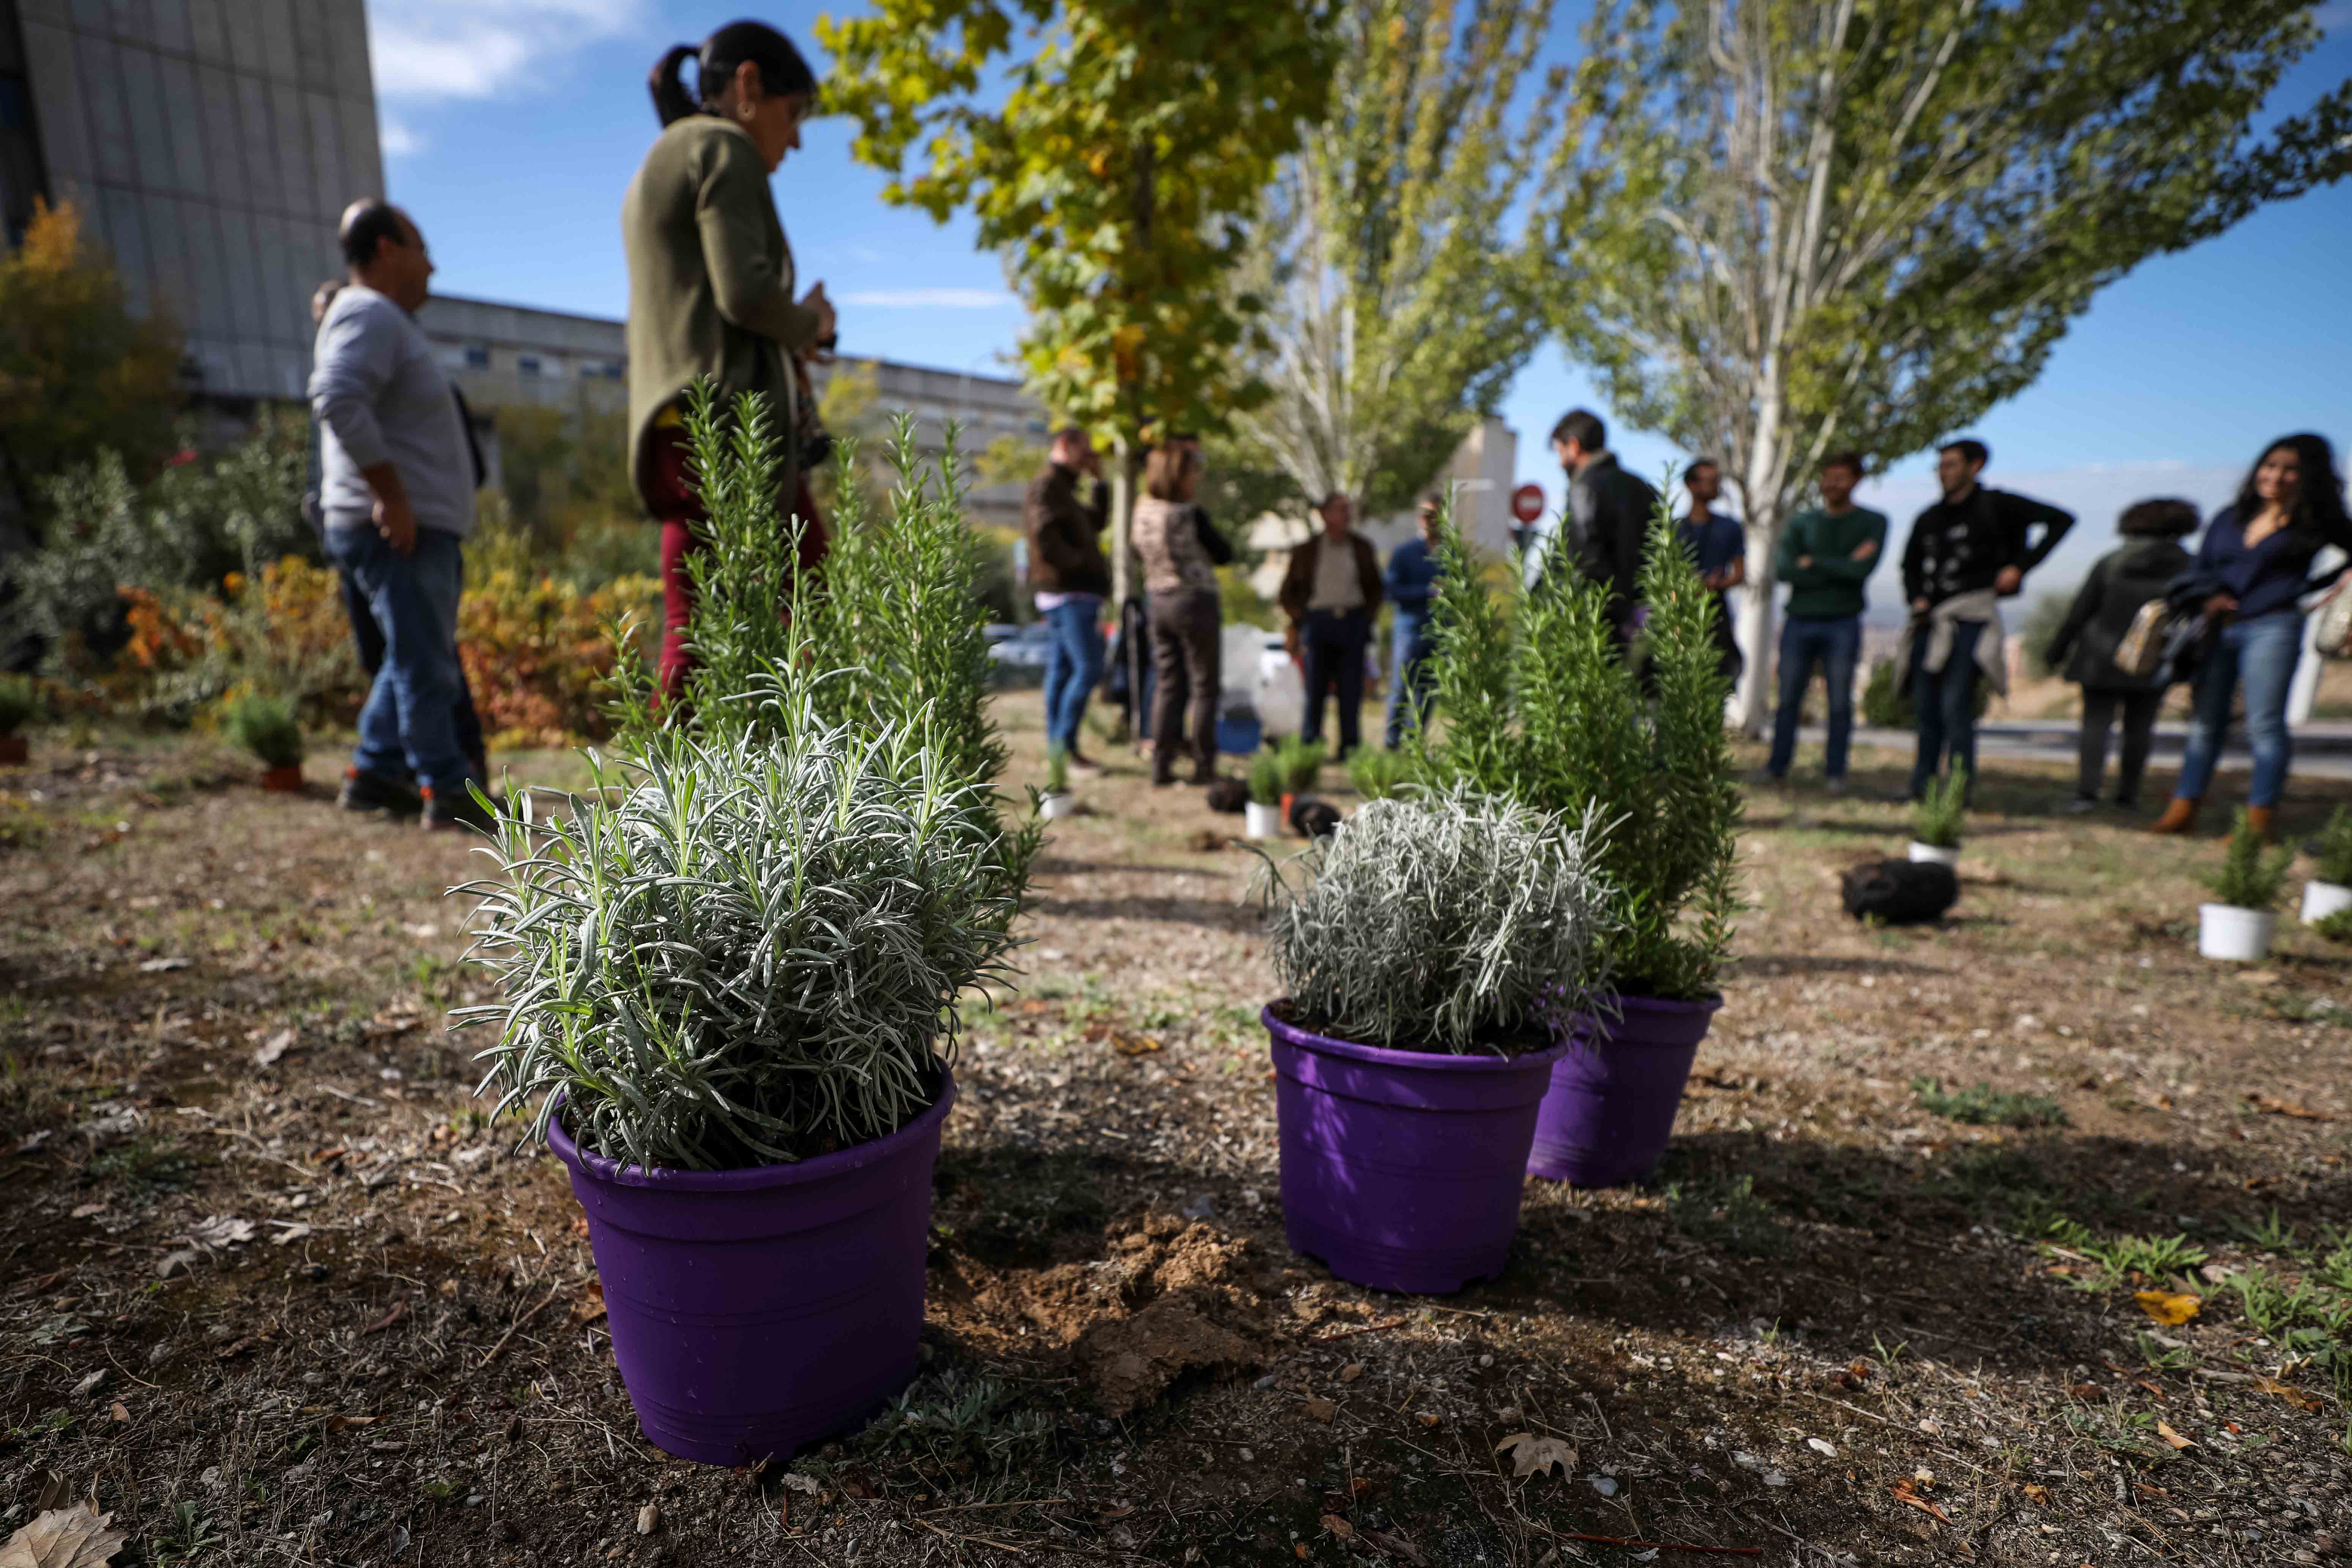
(1112, 163)
(1782, 228)
(1398, 312)
(80, 374)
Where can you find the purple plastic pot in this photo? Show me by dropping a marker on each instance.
(756, 1312)
(1613, 1096)
(1402, 1169)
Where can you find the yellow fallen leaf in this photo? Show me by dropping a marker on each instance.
(75, 1537)
(2166, 1307)
(2164, 1430)
(2040, 1494)
(2293, 1395)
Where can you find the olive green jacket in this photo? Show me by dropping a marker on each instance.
(710, 284)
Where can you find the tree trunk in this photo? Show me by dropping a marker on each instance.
(1123, 471)
(1752, 703)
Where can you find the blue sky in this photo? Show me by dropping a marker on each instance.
(511, 128)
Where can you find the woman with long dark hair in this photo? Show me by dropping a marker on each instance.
(2257, 555)
(711, 286)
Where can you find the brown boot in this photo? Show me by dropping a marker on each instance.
(2259, 818)
(2179, 816)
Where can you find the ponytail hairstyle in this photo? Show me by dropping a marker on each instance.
(783, 72)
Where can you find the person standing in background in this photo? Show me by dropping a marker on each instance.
(1071, 579)
(710, 290)
(1411, 583)
(1966, 552)
(1183, 608)
(1825, 556)
(1610, 511)
(2085, 646)
(1718, 545)
(1331, 590)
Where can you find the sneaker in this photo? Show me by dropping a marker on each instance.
(365, 791)
(457, 809)
(2082, 805)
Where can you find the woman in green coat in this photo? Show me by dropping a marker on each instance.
(710, 284)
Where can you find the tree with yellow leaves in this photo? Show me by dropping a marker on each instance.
(79, 372)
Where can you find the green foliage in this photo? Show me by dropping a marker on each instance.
(1728, 1216)
(265, 726)
(1302, 764)
(187, 1534)
(1378, 774)
(1450, 924)
(2336, 927)
(2332, 855)
(2250, 875)
(1265, 779)
(1057, 769)
(1981, 1105)
(1942, 809)
(1109, 165)
(1398, 311)
(1544, 709)
(18, 702)
(2043, 619)
(1884, 706)
(2139, 1260)
(741, 949)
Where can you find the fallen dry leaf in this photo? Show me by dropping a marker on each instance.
(1337, 1526)
(1905, 1491)
(2164, 1430)
(399, 1310)
(121, 1412)
(1531, 1454)
(74, 1537)
(591, 1305)
(2166, 1307)
(1352, 1371)
(2037, 1492)
(344, 1423)
(1395, 1546)
(1127, 1042)
(2293, 1395)
(1320, 1410)
(2276, 1107)
(277, 1046)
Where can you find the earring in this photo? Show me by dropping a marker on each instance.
(745, 112)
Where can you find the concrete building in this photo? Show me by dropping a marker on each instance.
(210, 145)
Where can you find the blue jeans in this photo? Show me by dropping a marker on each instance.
(1947, 703)
(1073, 665)
(2262, 653)
(1412, 678)
(1834, 643)
(411, 717)
(368, 643)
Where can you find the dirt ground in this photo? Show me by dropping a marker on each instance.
(273, 1289)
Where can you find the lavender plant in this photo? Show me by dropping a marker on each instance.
(1445, 922)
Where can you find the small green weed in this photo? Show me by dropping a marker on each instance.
(1981, 1105)
(2162, 1358)
(2150, 1257)
(2272, 1234)
(187, 1535)
(1727, 1215)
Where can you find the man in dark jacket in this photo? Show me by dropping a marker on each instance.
(1610, 511)
(2085, 645)
(1967, 551)
(1331, 592)
(1071, 579)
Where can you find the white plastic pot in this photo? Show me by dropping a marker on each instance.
(1261, 821)
(1053, 807)
(2227, 932)
(1936, 853)
(2321, 899)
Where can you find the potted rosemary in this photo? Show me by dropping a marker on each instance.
(2239, 924)
(267, 727)
(1434, 952)
(1548, 705)
(1262, 815)
(2329, 890)
(732, 967)
(1302, 765)
(18, 702)
(1938, 818)
(1057, 801)
(1378, 774)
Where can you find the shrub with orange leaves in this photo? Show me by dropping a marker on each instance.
(536, 652)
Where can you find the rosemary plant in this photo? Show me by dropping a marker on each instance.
(1265, 779)
(267, 727)
(1451, 923)
(1302, 764)
(1379, 775)
(1942, 810)
(749, 950)
(2331, 855)
(1545, 707)
(2251, 876)
(1057, 769)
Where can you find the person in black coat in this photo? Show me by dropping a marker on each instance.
(1610, 511)
(2085, 646)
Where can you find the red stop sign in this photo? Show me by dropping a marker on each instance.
(1527, 502)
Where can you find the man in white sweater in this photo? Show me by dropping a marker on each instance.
(396, 493)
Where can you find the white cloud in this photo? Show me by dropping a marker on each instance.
(932, 298)
(475, 48)
(396, 139)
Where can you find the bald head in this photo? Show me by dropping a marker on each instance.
(385, 252)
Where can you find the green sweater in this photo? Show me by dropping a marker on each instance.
(1830, 588)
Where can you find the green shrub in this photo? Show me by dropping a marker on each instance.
(1302, 764)
(267, 727)
(1455, 923)
(2332, 855)
(1981, 1105)
(2336, 927)
(1057, 769)
(1545, 708)
(18, 702)
(1378, 774)
(1942, 810)
(2251, 876)
(1265, 779)
(1885, 708)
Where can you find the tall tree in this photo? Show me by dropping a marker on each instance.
(1112, 166)
(1787, 226)
(1398, 311)
(80, 374)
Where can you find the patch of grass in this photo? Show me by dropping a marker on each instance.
(2273, 1307)
(2336, 927)
(2163, 1358)
(144, 1162)
(2146, 1258)
(2272, 1234)
(1728, 1216)
(187, 1535)
(1981, 1105)
(962, 1424)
